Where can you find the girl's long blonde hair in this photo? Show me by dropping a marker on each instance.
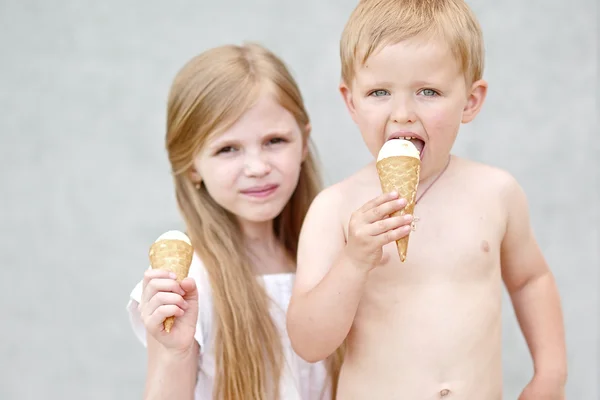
(208, 95)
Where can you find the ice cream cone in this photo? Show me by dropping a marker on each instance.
(400, 173)
(172, 252)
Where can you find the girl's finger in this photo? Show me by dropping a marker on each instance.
(161, 285)
(150, 274)
(162, 299)
(157, 318)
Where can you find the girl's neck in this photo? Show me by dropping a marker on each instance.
(266, 251)
(259, 234)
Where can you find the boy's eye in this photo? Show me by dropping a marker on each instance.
(379, 93)
(429, 92)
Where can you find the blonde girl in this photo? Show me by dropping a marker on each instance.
(244, 173)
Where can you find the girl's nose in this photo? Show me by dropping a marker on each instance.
(256, 166)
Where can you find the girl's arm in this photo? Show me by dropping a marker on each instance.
(172, 356)
(171, 374)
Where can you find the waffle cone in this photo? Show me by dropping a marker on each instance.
(173, 256)
(400, 174)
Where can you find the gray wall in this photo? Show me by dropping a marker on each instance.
(86, 186)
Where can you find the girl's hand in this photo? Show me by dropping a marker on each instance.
(163, 297)
(371, 228)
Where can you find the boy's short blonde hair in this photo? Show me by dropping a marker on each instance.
(377, 23)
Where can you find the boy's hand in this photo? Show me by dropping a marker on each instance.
(370, 228)
(544, 389)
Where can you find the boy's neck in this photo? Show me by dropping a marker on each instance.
(436, 172)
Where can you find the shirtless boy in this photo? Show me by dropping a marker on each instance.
(430, 327)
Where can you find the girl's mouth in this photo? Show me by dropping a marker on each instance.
(260, 191)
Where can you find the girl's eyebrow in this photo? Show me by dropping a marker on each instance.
(220, 143)
(281, 132)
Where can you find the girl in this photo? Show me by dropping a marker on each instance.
(238, 144)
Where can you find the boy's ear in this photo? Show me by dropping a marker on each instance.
(474, 101)
(347, 96)
(307, 130)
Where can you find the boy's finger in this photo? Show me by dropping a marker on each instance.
(383, 210)
(393, 235)
(384, 225)
(382, 198)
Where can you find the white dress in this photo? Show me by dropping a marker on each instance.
(300, 380)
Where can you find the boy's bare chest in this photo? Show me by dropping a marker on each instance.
(455, 238)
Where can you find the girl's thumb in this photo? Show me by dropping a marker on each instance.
(189, 287)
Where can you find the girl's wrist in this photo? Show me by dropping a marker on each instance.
(176, 355)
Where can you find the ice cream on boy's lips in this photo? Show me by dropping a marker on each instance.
(172, 252)
(398, 166)
(398, 147)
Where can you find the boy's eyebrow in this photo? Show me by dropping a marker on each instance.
(425, 83)
(375, 83)
(384, 84)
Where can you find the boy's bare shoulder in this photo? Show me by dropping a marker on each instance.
(338, 199)
(340, 192)
(489, 178)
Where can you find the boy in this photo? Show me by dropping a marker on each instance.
(429, 327)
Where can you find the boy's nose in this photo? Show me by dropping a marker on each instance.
(256, 166)
(404, 112)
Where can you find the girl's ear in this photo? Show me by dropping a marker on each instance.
(307, 130)
(194, 176)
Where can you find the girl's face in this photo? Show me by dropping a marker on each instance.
(252, 169)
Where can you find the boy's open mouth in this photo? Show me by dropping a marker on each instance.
(418, 143)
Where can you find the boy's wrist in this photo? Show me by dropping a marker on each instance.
(354, 265)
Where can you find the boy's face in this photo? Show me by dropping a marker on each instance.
(413, 89)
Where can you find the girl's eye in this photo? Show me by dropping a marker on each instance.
(379, 93)
(276, 141)
(429, 92)
(226, 149)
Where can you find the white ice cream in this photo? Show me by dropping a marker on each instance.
(174, 235)
(398, 147)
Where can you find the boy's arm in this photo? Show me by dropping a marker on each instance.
(327, 288)
(533, 291)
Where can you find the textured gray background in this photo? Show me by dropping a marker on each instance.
(86, 185)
